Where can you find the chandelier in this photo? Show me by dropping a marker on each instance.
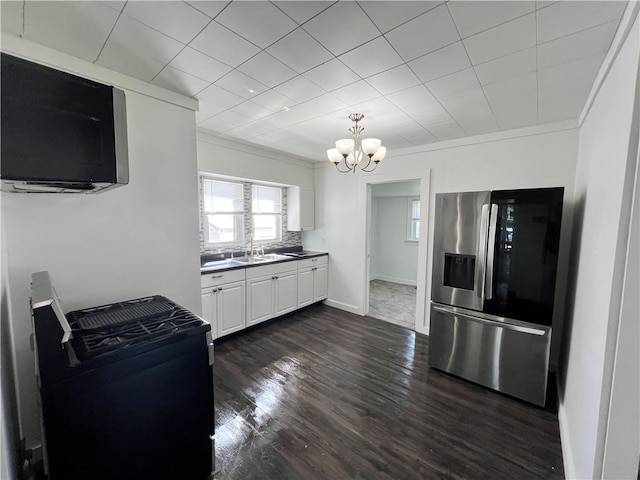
(352, 150)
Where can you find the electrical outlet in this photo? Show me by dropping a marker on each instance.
(324, 240)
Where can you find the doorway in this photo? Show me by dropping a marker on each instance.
(393, 261)
(393, 291)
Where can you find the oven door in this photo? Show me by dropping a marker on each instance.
(460, 249)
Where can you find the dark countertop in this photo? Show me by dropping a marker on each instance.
(223, 262)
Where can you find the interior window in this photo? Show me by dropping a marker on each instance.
(413, 230)
(223, 212)
(266, 209)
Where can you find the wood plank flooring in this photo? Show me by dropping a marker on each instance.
(324, 394)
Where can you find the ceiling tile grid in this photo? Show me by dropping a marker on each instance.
(286, 74)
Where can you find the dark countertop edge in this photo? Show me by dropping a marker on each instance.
(205, 271)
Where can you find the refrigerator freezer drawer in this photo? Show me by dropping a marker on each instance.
(510, 357)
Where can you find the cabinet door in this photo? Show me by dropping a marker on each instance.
(231, 308)
(286, 292)
(259, 300)
(320, 283)
(305, 287)
(307, 210)
(209, 310)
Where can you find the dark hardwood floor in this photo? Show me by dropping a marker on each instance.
(324, 394)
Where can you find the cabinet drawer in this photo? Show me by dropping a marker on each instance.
(313, 261)
(273, 269)
(213, 279)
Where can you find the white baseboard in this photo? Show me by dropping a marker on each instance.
(343, 306)
(401, 281)
(567, 454)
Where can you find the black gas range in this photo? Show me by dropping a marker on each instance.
(126, 388)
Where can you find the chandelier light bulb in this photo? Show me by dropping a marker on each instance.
(345, 146)
(370, 146)
(379, 155)
(354, 159)
(334, 155)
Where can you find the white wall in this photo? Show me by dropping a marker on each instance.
(531, 158)
(394, 259)
(225, 157)
(133, 241)
(602, 193)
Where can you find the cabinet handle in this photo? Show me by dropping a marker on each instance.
(314, 259)
(217, 276)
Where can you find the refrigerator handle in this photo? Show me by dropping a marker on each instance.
(482, 249)
(493, 223)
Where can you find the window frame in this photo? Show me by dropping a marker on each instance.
(239, 216)
(410, 221)
(278, 216)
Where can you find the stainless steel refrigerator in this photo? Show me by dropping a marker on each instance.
(494, 276)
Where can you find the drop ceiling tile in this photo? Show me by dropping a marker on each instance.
(424, 34)
(356, 93)
(564, 18)
(175, 19)
(219, 96)
(300, 51)
(116, 5)
(11, 17)
(373, 57)
(446, 131)
(313, 108)
(499, 41)
(251, 111)
(222, 44)
(179, 81)
(259, 22)
(461, 103)
(331, 75)
(445, 61)
(129, 62)
(512, 65)
(77, 28)
(563, 89)
(456, 82)
(418, 136)
(210, 8)
(267, 69)
(390, 14)
(511, 87)
(393, 80)
(199, 65)
(273, 100)
(300, 12)
(515, 110)
(242, 85)
(434, 118)
(478, 124)
(207, 110)
(411, 96)
(218, 123)
(299, 89)
(341, 27)
(472, 17)
(575, 46)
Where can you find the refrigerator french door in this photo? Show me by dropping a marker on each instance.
(494, 275)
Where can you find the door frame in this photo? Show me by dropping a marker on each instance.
(366, 182)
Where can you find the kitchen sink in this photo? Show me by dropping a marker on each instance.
(269, 257)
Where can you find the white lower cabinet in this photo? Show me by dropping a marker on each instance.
(272, 290)
(235, 299)
(312, 280)
(223, 301)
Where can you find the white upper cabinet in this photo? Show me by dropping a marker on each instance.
(300, 209)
